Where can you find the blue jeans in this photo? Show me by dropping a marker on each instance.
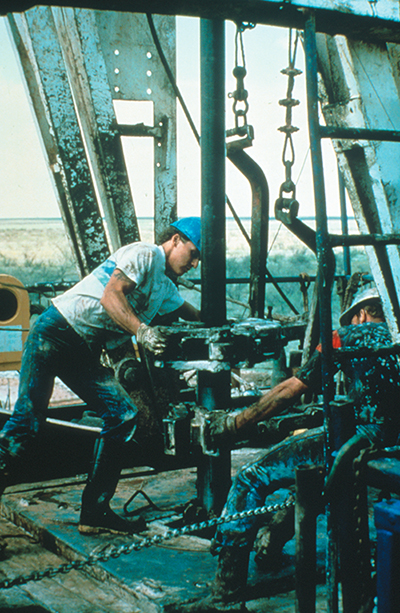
(255, 482)
(53, 349)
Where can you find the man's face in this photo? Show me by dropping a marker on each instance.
(183, 256)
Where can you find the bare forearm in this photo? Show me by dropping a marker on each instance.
(272, 402)
(118, 308)
(188, 312)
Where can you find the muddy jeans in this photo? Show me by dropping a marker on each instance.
(53, 349)
(255, 482)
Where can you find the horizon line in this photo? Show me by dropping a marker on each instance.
(337, 217)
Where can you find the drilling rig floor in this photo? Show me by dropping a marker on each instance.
(39, 531)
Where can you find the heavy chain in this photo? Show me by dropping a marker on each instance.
(116, 552)
(288, 155)
(286, 207)
(240, 104)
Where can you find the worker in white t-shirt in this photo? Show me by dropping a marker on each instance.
(117, 301)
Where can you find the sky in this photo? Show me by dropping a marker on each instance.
(25, 187)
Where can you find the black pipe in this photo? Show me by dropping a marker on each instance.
(213, 267)
(294, 279)
(259, 227)
(213, 388)
(350, 527)
(325, 274)
(322, 236)
(309, 480)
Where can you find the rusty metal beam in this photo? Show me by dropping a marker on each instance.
(363, 113)
(39, 107)
(79, 37)
(42, 61)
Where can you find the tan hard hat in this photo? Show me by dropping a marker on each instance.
(368, 296)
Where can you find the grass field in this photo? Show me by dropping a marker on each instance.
(38, 251)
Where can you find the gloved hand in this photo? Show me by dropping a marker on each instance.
(151, 338)
(221, 428)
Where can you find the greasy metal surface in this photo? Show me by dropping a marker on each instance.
(135, 72)
(325, 272)
(20, 35)
(73, 592)
(37, 29)
(360, 133)
(247, 342)
(52, 511)
(93, 54)
(309, 483)
(79, 37)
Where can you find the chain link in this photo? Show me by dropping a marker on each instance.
(116, 552)
(240, 95)
(288, 155)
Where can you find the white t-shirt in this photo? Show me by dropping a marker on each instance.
(154, 294)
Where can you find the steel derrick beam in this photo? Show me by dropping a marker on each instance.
(78, 32)
(39, 48)
(355, 18)
(76, 63)
(135, 73)
(358, 105)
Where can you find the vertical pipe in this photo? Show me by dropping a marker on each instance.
(259, 227)
(350, 518)
(213, 473)
(308, 499)
(322, 236)
(342, 428)
(213, 267)
(324, 277)
(344, 224)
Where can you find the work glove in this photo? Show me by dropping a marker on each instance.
(151, 338)
(221, 429)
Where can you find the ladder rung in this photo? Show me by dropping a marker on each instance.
(359, 133)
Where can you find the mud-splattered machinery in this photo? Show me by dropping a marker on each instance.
(77, 62)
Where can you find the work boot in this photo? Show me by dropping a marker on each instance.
(272, 538)
(228, 588)
(96, 515)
